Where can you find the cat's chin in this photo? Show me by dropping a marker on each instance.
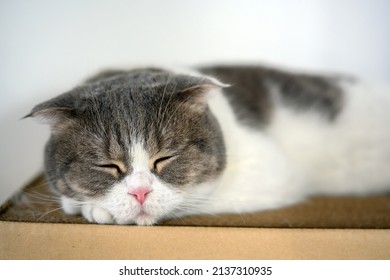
(142, 219)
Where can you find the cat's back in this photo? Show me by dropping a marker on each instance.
(255, 92)
(335, 130)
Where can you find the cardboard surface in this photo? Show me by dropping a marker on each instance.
(62, 241)
(32, 227)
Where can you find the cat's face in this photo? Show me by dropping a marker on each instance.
(140, 145)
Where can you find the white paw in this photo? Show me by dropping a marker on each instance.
(96, 214)
(70, 206)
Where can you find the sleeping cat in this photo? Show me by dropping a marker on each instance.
(139, 146)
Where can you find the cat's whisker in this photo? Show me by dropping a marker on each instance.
(167, 106)
(174, 112)
(41, 196)
(194, 210)
(49, 212)
(161, 101)
(99, 117)
(41, 200)
(90, 134)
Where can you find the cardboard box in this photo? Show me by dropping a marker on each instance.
(33, 227)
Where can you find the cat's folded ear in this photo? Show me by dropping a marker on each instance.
(57, 112)
(196, 91)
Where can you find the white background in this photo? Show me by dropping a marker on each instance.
(47, 47)
(285, 269)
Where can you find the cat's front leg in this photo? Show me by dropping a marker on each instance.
(90, 211)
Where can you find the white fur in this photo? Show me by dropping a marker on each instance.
(303, 154)
(299, 155)
(349, 156)
(258, 175)
(70, 206)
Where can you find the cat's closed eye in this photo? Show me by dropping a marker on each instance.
(114, 168)
(161, 162)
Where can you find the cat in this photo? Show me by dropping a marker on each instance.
(149, 144)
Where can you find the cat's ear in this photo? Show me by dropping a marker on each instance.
(57, 112)
(196, 94)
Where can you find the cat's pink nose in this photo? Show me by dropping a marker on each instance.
(140, 194)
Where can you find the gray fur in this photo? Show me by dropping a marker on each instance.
(250, 93)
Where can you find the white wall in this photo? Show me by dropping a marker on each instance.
(49, 46)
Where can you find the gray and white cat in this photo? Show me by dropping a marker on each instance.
(139, 146)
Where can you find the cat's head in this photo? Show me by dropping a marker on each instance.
(139, 144)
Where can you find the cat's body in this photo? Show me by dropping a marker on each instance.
(144, 145)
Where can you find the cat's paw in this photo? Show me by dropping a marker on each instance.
(70, 206)
(96, 214)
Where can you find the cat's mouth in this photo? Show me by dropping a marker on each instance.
(143, 218)
(143, 214)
